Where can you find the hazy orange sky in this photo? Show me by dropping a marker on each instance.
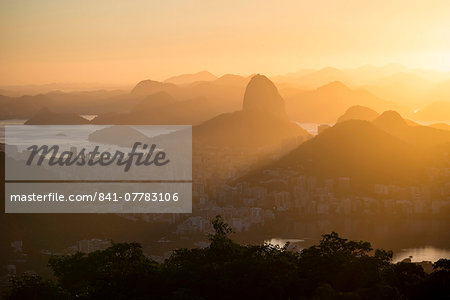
(126, 41)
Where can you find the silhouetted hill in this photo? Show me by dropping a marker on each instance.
(224, 94)
(190, 78)
(389, 120)
(152, 102)
(422, 136)
(47, 117)
(326, 104)
(355, 149)
(262, 95)
(88, 102)
(358, 112)
(23, 107)
(248, 129)
(148, 87)
(262, 122)
(66, 88)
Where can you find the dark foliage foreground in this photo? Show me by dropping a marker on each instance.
(335, 269)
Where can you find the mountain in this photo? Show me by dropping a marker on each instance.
(355, 149)
(262, 121)
(326, 104)
(148, 87)
(81, 103)
(47, 117)
(436, 111)
(358, 112)
(66, 88)
(248, 129)
(190, 78)
(390, 120)
(153, 102)
(226, 92)
(421, 136)
(261, 94)
(23, 107)
(225, 95)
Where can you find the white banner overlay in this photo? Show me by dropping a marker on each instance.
(98, 169)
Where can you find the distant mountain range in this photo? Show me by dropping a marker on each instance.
(315, 96)
(358, 112)
(90, 102)
(191, 78)
(328, 102)
(221, 95)
(262, 121)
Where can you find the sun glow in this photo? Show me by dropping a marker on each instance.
(126, 41)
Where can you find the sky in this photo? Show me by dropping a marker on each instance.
(124, 42)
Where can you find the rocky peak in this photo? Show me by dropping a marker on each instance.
(262, 95)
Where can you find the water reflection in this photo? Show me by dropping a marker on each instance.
(428, 253)
(424, 239)
(282, 242)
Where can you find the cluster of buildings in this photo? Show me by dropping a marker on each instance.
(253, 202)
(85, 246)
(88, 246)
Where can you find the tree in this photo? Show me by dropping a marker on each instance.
(33, 287)
(336, 268)
(119, 271)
